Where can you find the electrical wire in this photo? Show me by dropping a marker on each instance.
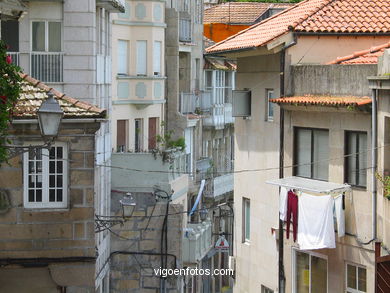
(243, 170)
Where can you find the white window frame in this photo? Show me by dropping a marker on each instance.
(246, 239)
(348, 289)
(45, 180)
(294, 263)
(157, 58)
(46, 34)
(270, 93)
(125, 62)
(142, 70)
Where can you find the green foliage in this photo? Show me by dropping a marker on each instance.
(385, 180)
(9, 93)
(167, 142)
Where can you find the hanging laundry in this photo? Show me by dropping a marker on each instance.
(292, 211)
(316, 226)
(339, 208)
(283, 203)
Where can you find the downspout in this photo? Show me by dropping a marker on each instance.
(374, 153)
(282, 277)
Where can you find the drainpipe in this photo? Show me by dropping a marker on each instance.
(282, 278)
(374, 152)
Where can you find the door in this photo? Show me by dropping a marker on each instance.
(152, 133)
(121, 135)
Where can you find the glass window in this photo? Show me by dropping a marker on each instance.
(46, 36)
(356, 279)
(45, 178)
(356, 158)
(311, 273)
(123, 57)
(270, 106)
(246, 220)
(265, 289)
(157, 58)
(38, 36)
(141, 57)
(138, 135)
(311, 153)
(54, 36)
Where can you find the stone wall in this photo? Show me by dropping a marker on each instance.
(54, 233)
(140, 236)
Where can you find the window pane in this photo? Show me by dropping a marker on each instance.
(52, 181)
(302, 272)
(362, 285)
(54, 36)
(52, 166)
(31, 196)
(157, 58)
(59, 167)
(52, 153)
(209, 79)
(59, 152)
(247, 219)
(141, 57)
(38, 194)
(122, 57)
(270, 95)
(362, 177)
(59, 180)
(38, 36)
(320, 154)
(303, 152)
(59, 195)
(319, 275)
(52, 195)
(351, 276)
(351, 157)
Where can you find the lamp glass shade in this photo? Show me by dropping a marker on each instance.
(128, 206)
(49, 117)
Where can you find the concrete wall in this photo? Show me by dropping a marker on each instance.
(52, 233)
(330, 80)
(142, 234)
(256, 147)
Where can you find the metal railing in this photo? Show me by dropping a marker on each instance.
(15, 57)
(47, 67)
(185, 31)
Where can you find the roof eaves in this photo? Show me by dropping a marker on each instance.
(289, 28)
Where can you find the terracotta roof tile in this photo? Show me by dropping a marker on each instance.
(324, 100)
(34, 92)
(239, 12)
(314, 16)
(369, 56)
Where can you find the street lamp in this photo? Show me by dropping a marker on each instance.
(49, 117)
(128, 205)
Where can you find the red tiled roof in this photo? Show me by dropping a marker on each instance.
(35, 92)
(323, 100)
(239, 12)
(315, 16)
(369, 56)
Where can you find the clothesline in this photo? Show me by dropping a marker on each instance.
(310, 185)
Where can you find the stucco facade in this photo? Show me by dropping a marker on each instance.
(257, 153)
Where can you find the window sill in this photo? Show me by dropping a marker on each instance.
(46, 209)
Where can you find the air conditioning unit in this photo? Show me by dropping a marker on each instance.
(242, 103)
(232, 263)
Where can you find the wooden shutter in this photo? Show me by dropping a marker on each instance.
(121, 135)
(152, 133)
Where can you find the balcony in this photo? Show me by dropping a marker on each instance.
(133, 172)
(202, 167)
(197, 242)
(112, 5)
(185, 31)
(47, 67)
(219, 186)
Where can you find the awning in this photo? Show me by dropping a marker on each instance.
(310, 185)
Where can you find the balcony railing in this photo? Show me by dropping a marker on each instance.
(185, 32)
(15, 57)
(197, 241)
(219, 186)
(192, 103)
(47, 67)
